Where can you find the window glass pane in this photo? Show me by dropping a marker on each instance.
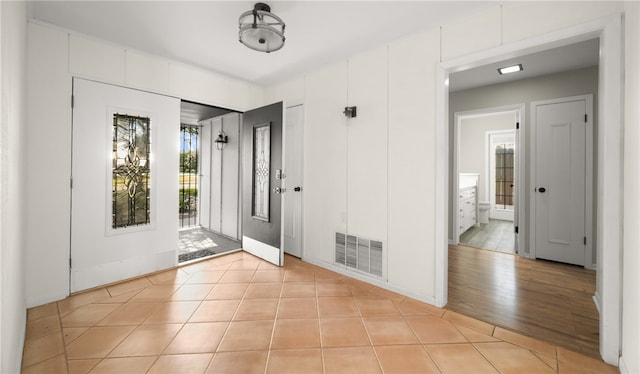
(189, 176)
(131, 177)
(504, 175)
(261, 166)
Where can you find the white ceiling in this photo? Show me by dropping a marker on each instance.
(205, 34)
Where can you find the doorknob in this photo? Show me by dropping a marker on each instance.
(297, 189)
(279, 190)
(542, 189)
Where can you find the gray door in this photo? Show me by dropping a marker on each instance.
(262, 182)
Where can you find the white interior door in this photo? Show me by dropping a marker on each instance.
(119, 227)
(293, 166)
(560, 181)
(263, 182)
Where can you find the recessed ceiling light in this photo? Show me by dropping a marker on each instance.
(510, 69)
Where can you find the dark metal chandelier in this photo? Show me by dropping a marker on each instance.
(261, 30)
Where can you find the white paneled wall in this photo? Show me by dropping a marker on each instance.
(367, 145)
(54, 57)
(94, 59)
(219, 193)
(325, 182)
(630, 361)
(145, 71)
(411, 163)
(49, 160)
(13, 165)
(291, 92)
(528, 19)
(473, 33)
(342, 191)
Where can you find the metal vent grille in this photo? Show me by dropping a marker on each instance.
(340, 248)
(359, 253)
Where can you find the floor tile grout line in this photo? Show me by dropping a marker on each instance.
(215, 353)
(485, 357)
(322, 347)
(64, 348)
(273, 327)
(426, 351)
(130, 300)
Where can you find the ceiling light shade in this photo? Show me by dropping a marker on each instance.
(510, 69)
(261, 30)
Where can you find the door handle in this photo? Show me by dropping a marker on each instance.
(542, 190)
(279, 190)
(297, 189)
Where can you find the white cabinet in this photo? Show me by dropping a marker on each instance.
(467, 208)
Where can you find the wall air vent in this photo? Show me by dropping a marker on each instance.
(359, 253)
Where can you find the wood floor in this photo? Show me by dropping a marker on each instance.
(542, 299)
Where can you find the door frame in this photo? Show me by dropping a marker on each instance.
(610, 168)
(289, 105)
(258, 248)
(518, 214)
(588, 192)
(490, 170)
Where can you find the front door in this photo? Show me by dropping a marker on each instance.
(124, 214)
(560, 184)
(262, 182)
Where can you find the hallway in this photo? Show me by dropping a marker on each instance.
(542, 299)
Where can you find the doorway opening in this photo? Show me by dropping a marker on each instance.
(486, 157)
(197, 238)
(516, 294)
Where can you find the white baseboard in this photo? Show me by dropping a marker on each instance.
(262, 250)
(596, 300)
(23, 333)
(624, 369)
(373, 281)
(31, 302)
(101, 274)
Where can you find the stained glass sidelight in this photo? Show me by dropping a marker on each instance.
(261, 166)
(131, 176)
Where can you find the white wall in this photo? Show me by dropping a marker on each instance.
(13, 33)
(360, 172)
(54, 57)
(473, 145)
(630, 361)
(411, 157)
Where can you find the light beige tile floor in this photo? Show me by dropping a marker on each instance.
(238, 314)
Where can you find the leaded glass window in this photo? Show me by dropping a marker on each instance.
(131, 174)
(505, 175)
(261, 167)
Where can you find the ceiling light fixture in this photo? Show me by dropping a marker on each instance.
(261, 30)
(510, 69)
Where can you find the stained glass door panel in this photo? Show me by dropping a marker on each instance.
(263, 182)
